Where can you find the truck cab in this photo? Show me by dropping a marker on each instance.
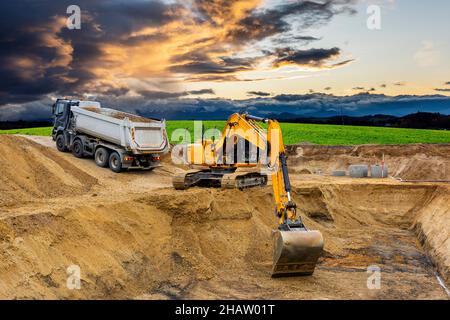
(62, 113)
(60, 110)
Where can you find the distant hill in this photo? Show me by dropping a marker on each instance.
(21, 124)
(419, 120)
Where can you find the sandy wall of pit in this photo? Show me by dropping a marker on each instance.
(432, 225)
(216, 244)
(410, 162)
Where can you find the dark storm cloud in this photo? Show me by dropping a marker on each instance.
(136, 40)
(151, 94)
(200, 63)
(305, 38)
(315, 104)
(30, 111)
(261, 24)
(40, 57)
(192, 55)
(124, 17)
(289, 38)
(255, 26)
(223, 66)
(20, 48)
(117, 92)
(113, 22)
(202, 91)
(160, 95)
(259, 93)
(312, 105)
(448, 83)
(341, 63)
(27, 60)
(310, 57)
(219, 78)
(362, 89)
(442, 89)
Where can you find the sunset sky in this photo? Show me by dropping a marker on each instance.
(170, 50)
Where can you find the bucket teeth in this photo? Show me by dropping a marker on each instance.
(296, 252)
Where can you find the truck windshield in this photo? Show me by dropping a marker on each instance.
(59, 108)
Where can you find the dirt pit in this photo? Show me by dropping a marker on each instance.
(424, 162)
(134, 237)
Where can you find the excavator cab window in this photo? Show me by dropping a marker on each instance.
(242, 151)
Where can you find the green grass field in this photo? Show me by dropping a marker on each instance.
(46, 131)
(318, 134)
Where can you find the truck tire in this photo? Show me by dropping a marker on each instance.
(115, 162)
(77, 149)
(61, 143)
(101, 157)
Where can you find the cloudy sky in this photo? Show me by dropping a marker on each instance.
(147, 53)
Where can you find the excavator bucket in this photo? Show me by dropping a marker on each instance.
(296, 252)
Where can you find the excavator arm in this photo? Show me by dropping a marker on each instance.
(286, 209)
(296, 249)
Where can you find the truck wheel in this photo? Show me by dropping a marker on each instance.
(115, 163)
(101, 157)
(61, 143)
(77, 149)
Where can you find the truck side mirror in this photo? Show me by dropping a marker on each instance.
(53, 108)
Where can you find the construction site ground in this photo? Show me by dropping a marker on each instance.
(135, 237)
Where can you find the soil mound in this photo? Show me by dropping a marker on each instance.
(31, 171)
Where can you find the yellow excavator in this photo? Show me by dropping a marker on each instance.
(245, 156)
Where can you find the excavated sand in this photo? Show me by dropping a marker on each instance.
(31, 171)
(133, 236)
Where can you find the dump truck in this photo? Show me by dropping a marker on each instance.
(115, 139)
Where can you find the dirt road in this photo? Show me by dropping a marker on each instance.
(133, 236)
